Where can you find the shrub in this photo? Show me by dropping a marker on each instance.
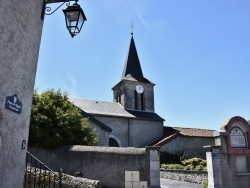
(195, 163)
(172, 166)
(205, 183)
(56, 122)
(188, 164)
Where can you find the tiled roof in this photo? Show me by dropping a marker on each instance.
(100, 107)
(94, 107)
(131, 78)
(171, 133)
(194, 132)
(145, 115)
(166, 139)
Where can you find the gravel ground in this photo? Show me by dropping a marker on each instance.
(168, 183)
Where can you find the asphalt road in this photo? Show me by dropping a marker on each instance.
(167, 183)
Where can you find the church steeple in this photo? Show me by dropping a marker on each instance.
(134, 91)
(132, 65)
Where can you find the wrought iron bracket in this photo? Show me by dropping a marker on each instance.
(47, 10)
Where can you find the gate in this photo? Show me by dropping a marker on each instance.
(37, 174)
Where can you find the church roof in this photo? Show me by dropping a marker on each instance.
(171, 133)
(145, 115)
(95, 107)
(132, 69)
(107, 128)
(194, 132)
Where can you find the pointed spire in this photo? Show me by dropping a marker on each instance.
(132, 66)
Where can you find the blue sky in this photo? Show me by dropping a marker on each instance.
(197, 52)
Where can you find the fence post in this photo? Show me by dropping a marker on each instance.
(60, 177)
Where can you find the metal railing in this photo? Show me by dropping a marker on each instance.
(37, 174)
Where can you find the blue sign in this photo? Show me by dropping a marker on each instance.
(13, 104)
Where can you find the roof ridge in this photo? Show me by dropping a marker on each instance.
(166, 139)
(192, 128)
(91, 100)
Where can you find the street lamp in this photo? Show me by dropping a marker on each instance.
(74, 15)
(75, 18)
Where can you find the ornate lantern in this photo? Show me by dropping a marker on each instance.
(75, 18)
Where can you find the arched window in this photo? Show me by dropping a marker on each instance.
(120, 93)
(136, 107)
(114, 141)
(117, 96)
(142, 102)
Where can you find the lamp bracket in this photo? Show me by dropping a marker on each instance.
(46, 10)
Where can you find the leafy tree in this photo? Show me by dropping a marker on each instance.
(56, 122)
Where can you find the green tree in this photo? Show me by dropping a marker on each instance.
(56, 122)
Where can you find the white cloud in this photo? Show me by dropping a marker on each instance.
(69, 84)
(126, 11)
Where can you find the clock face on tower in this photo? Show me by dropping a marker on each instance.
(139, 89)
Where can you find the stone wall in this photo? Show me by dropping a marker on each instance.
(103, 135)
(192, 176)
(129, 130)
(21, 29)
(187, 144)
(35, 177)
(107, 164)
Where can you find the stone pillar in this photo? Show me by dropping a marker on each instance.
(20, 35)
(214, 167)
(154, 181)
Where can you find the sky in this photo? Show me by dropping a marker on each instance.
(197, 52)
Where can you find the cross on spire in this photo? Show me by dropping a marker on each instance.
(132, 27)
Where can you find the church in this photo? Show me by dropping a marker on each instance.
(131, 121)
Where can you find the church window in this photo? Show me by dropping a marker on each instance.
(113, 143)
(142, 102)
(136, 107)
(119, 96)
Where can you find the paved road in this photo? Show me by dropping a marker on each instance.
(167, 183)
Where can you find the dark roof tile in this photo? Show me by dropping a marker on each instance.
(94, 107)
(145, 115)
(193, 132)
(132, 66)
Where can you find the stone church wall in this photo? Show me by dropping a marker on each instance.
(143, 132)
(119, 127)
(103, 135)
(107, 164)
(128, 91)
(133, 132)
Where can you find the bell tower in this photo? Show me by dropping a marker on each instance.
(134, 91)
